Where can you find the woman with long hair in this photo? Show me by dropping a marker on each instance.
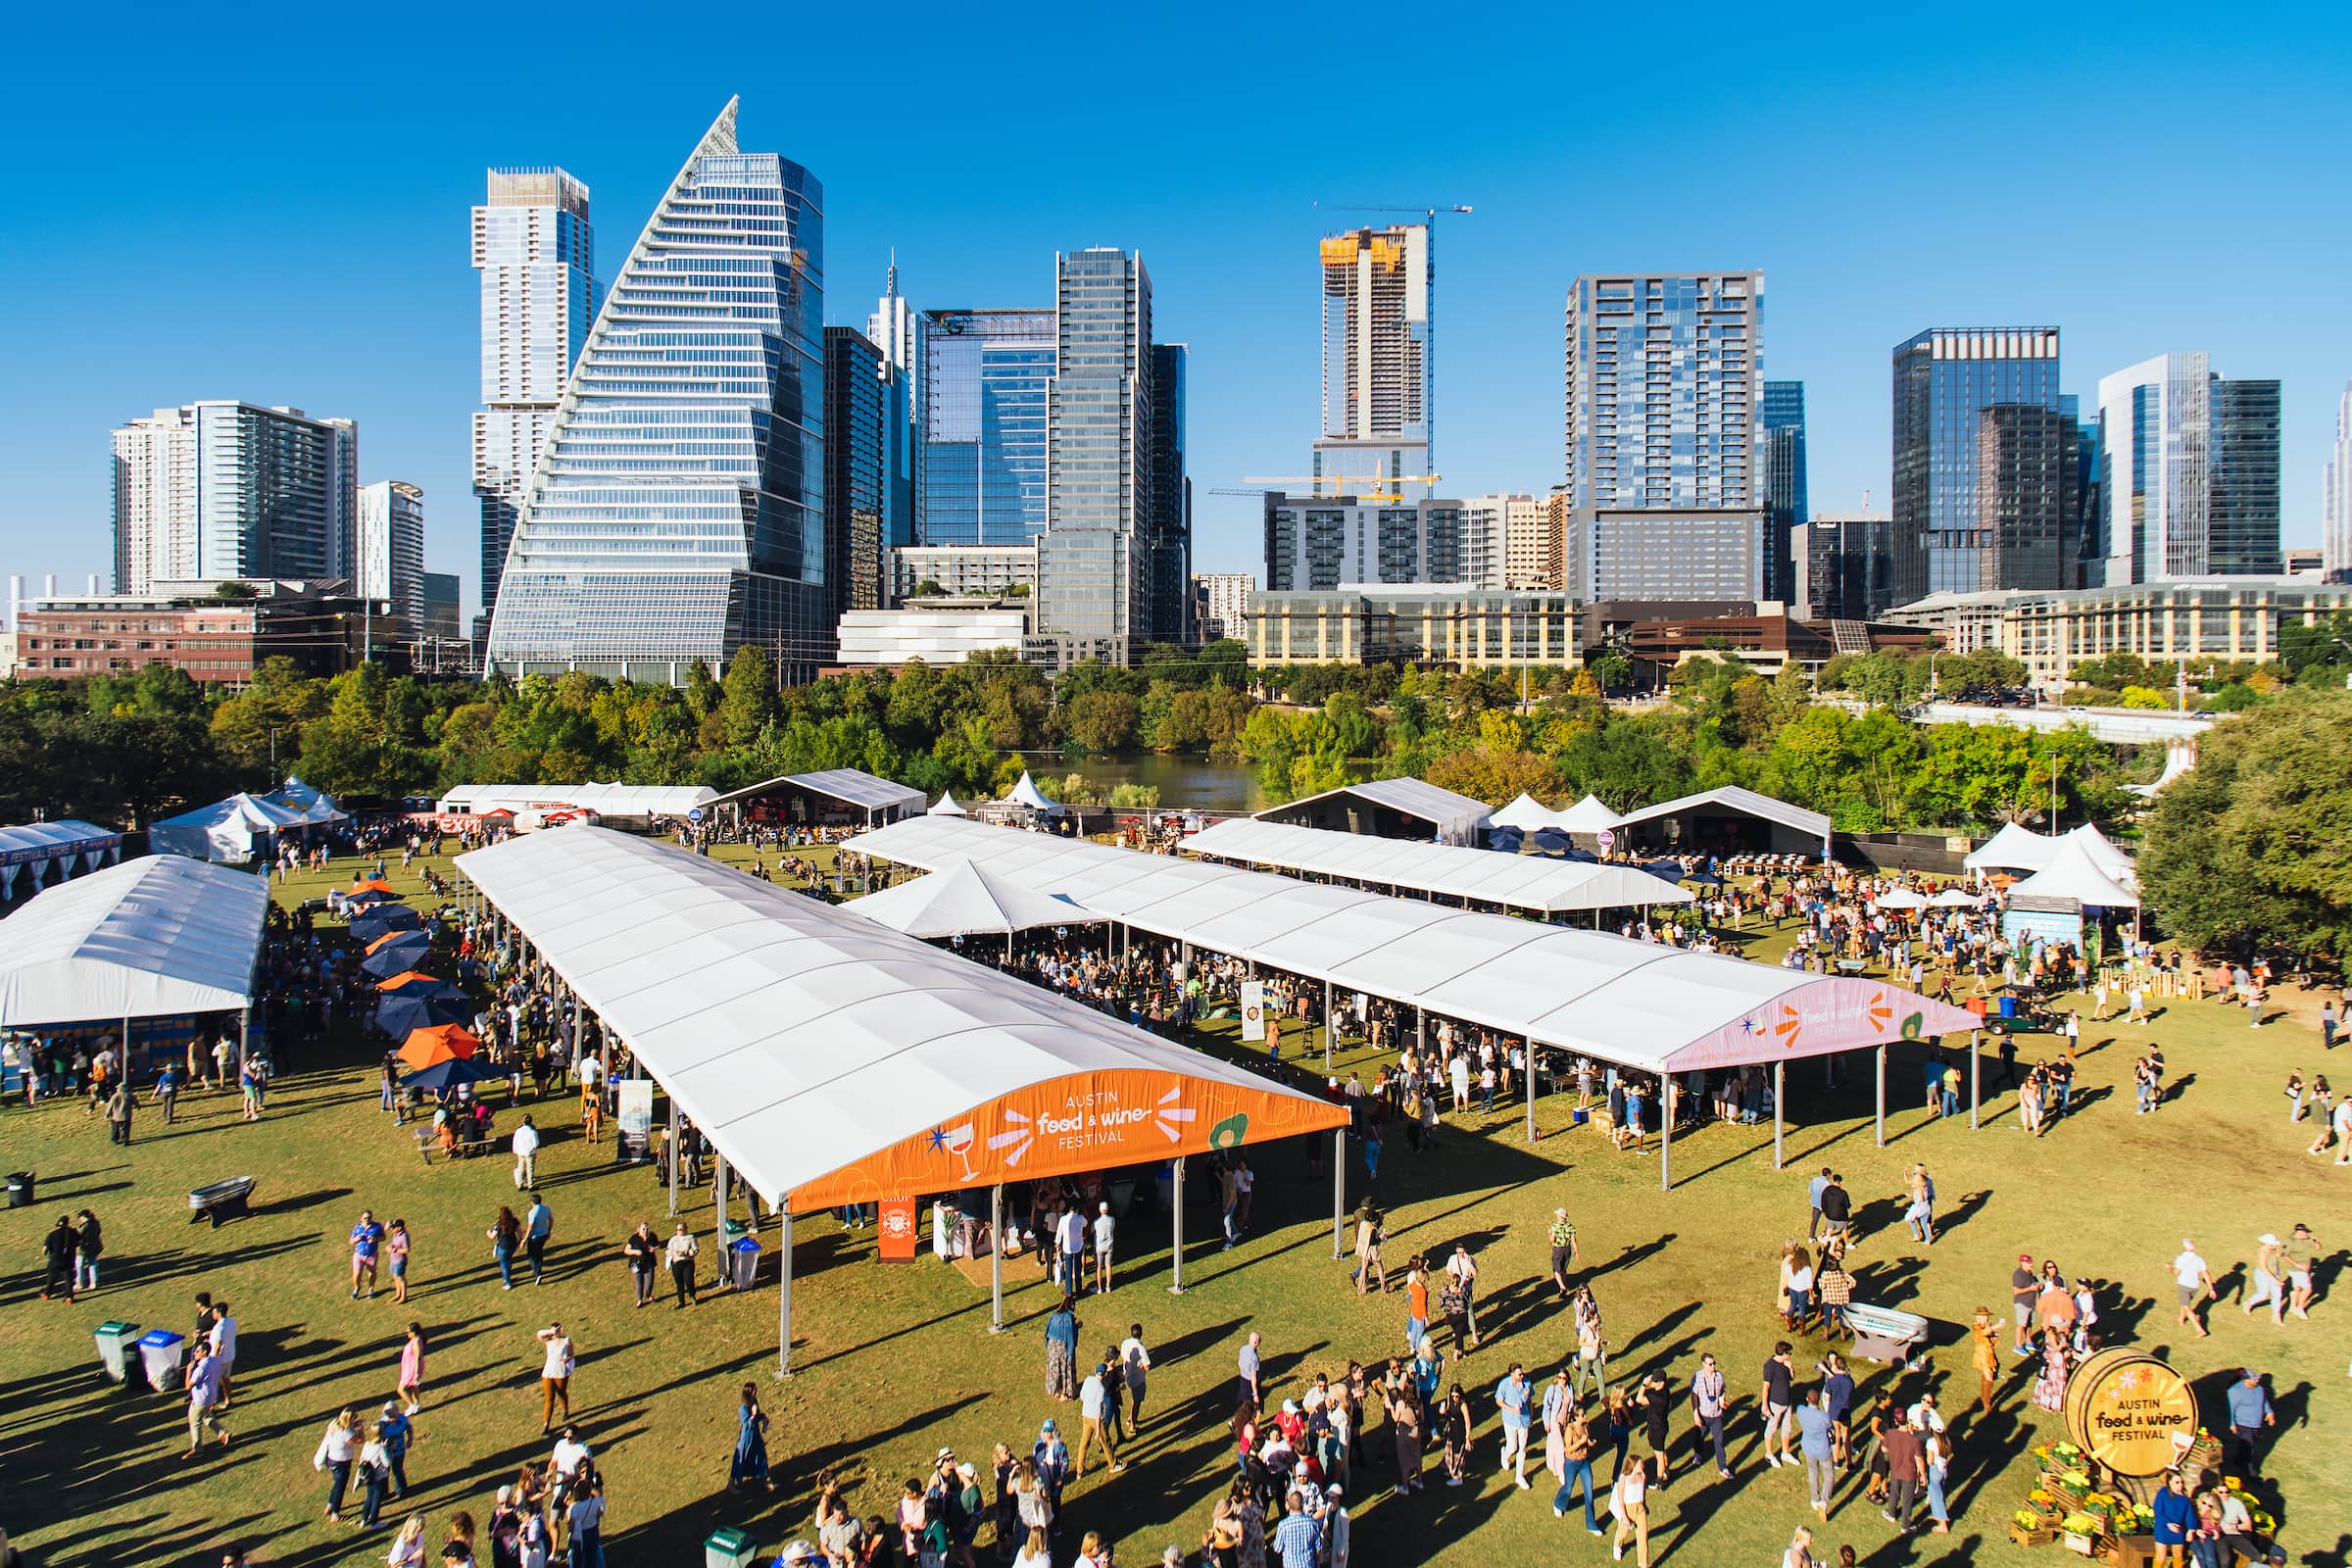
(411, 1368)
(408, 1547)
(749, 1463)
(506, 1236)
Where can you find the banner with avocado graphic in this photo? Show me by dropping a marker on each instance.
(1836, 1012)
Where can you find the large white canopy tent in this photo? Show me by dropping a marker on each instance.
(829, 1060)
(2074, 874)
(1387, 807)
(636, 802)
(1537, 884)
(947, 805)
(1526, 814)
(1640, 1005)
(1785, 823)
(959, 900)
(2015, 848)
(2104, 855)
(154, 937)
(1588, 815)
(225, 832)
(1026, 793)
(308, 806)
(44, 847)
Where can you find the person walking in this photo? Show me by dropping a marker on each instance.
(1093, 1400)
(338, 1446)
(1369, 1268)
(2249, 1412)
(1776, 1399)
(367, 1239)
(203, 1384)
(506, 1236)
(59, 1246)
(89, 1241)
(1136, 1363)
(1906, 1471)
(1708, 1407)
(2302, 1251)
(554, 1375)
(1513, 1402)
(750, 1462)
(1564, 1249)
(1629, 1505)
(1252, 1363)
(2193, 1282)
(1576, 1445)
(643, 1250)
(2267, 1278)
(1984, 1354)
(411, 1369)
(396, 1247)
(680, 1254)
(1061, 1350)
(526, 1156)
(537, 1226)
(1816, 1450)
(398, 1433)
(118, 1106)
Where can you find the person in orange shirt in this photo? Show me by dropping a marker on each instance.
(1416, 1306)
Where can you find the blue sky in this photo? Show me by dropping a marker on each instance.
(189, 210)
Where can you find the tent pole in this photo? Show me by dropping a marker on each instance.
(1339, 1191)
(674, 1156)
(718, 1221)
(1528, 1050)
(1779, 1079)
(784, 1302)
(244, 1035)
(1665, 1136)
(1331, 1025)
(1882, 1097)
(996, 1259)
(1975, 1078)
(1176, 1237)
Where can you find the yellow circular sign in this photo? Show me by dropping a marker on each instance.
(2123, 1409)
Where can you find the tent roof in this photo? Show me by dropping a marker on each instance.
(1636, 1003)
(1453, 815)
(832, 1059)
(2015, 848)
(306, 805)
(848, 785)
(45, 841)
(947, 805)
(2074, 875)
(2104, 855)
(604, 800)
(151, 937)
(1588, 815)
(252, 812)
(1525, 814)
(1731, 797)
(959, 900)
(1026, 793)
(1519, 881)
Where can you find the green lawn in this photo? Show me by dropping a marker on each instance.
(896, 1363)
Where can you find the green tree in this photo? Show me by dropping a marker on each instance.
(748, 703)
(1100, 723)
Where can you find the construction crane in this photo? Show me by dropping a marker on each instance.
(1427, 212)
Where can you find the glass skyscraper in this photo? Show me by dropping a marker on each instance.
(221, 489)
(2191, 472)
(1168, 527)
(536, 255)
(859, 411)
(1784, 501)
(2245, 536)
(679, 512)
(1944, 380)
(980, 421)
(1099, 422)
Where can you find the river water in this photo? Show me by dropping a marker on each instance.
(1197, 782)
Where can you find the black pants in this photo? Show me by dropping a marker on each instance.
(60, 1281)
(2241, 1451)
(1901, 1499)
(400, 1473)
(119, 1130)
(535, 1247)
(681, 1275)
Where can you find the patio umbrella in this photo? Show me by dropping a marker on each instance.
(417, 983)
(402, 1015)
(383, 921)
(1900, 898)
(387, 939)
(1551, 839)
(1704, 879)
(401, 950)
(1671, 870)
(1586, 855)
(426, 1047)
(1956, 898)
(372, 885)
(448, 1074)
(369, 897)
(1506, 838)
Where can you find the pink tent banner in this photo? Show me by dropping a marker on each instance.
(1836, 1012)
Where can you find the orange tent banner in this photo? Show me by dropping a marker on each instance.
(1086, 1121)
(409, 977)
(429, 1048)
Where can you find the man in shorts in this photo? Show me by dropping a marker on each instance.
(1104, 1229)
(2193, 1282)
(2301, 1249)
(367, 1237)
(1563, 1249)
(1778, 1401)
(2025, 1285)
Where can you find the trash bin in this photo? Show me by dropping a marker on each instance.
(159, 1357)
(114, 1349)
(2008, 1005)
(20, 1188)
(727, 1548)
(736, 1230)
(745, 1262)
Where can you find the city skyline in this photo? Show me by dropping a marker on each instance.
(262, 303)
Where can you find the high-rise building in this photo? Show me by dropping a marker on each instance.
(678, 509)
(1099, 495)
(2026, 493)
(1664, 395)
(1944, 379)
(2190, 472)
(1379, 359)
(1221, 601)
(441, 646)
(1503, 543)
(1785, 504)
(980, 426)
(857, 452)
(390, 557)
(221, 489)
(1315, 542)
(1168, 534)
(1844, 567)
(536, 254)
(891, 327)
(2336, 500)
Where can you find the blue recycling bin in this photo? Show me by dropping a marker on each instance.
(160, 1354)
(2008, 1005)
(746, 1262)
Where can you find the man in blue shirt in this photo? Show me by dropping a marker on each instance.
(396, 1434)
(1426, 1371)
(366, 1237)
(1512, 1400)
(1813, 1202)
(1298, 1538)
(1813, 1445)
(537, 1226)
(2249, 1412)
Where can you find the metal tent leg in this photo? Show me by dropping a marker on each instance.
(996, 1259)
(1528, 1048)
(1665, 1133)
(1882, 1097)
(1779, 1079)
(674, 1156)
(1176, 1238)
(1975, 1078)
(784, 1299)
(1338, 1192)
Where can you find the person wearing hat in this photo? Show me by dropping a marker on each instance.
(2025, 1285)
(1093, 1400)
(2249, 1412)
(2268, 1278)
(1336, 1525)
(964, 1512)
(1051, 1458)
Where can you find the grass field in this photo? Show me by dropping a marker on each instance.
(894, 1363)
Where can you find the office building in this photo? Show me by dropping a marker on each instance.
(1502, 543)
(936, 632)
(678, 511)
(225, 490)
(1099, 495)
(390, 558)
(891, 327)
(1167, 532)
(186, 624)
(1379, 363)
(1786, 505)
(536, 254)
(1221, 604)
(2335, 499)
(441, 646)
(860, 413)
(2026, 494)
(1329, 542)
(980, 426)
(1664, 395)
(1432, 625)
(962, 572)
(1944, 379)
(1844, 567)
(2191, 468)
(1536, 556)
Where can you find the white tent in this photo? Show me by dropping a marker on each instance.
(53, 846)
(226, 832)
(2104, 855)
(1526, 814)
(947, 805)
(959, 900)
(2013, 849)
(1026, 793)
(303, 804)
(153, 937)
(1534, 883)
(2073, 876)
(1900, 898)
(1588, 815)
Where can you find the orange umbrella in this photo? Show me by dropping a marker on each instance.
(409, 977)
(429, 1048)
(374, 885)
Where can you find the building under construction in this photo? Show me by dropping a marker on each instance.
(1378, 360)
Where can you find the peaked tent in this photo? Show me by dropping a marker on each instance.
(2104, 855)
(225, 832)
(1527, 814)
(1388, 808)
(44, 846)
(959, 900)
(2013, 849)
(1588, 815)
(947, 805)
(1026, 793)
(303, 804)
(2073, 876)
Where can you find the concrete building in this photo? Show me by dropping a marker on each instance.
(2193, 621)
(536, 252)
(1503, 543)
(1844, 567)
(1221, 604)
(1314, 543)
(963, 572)
(2335, 498)
(1664, 382)
(1431, 624)
(1379, 362)
(2305, 561)
(937, 631)
(215, 640)
(389, 563)
(222, 489)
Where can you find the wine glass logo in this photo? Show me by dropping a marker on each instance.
(956, 1141)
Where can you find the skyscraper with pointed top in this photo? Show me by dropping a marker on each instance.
(677, 512)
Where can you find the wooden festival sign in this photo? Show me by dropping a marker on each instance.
(2125, 1410)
